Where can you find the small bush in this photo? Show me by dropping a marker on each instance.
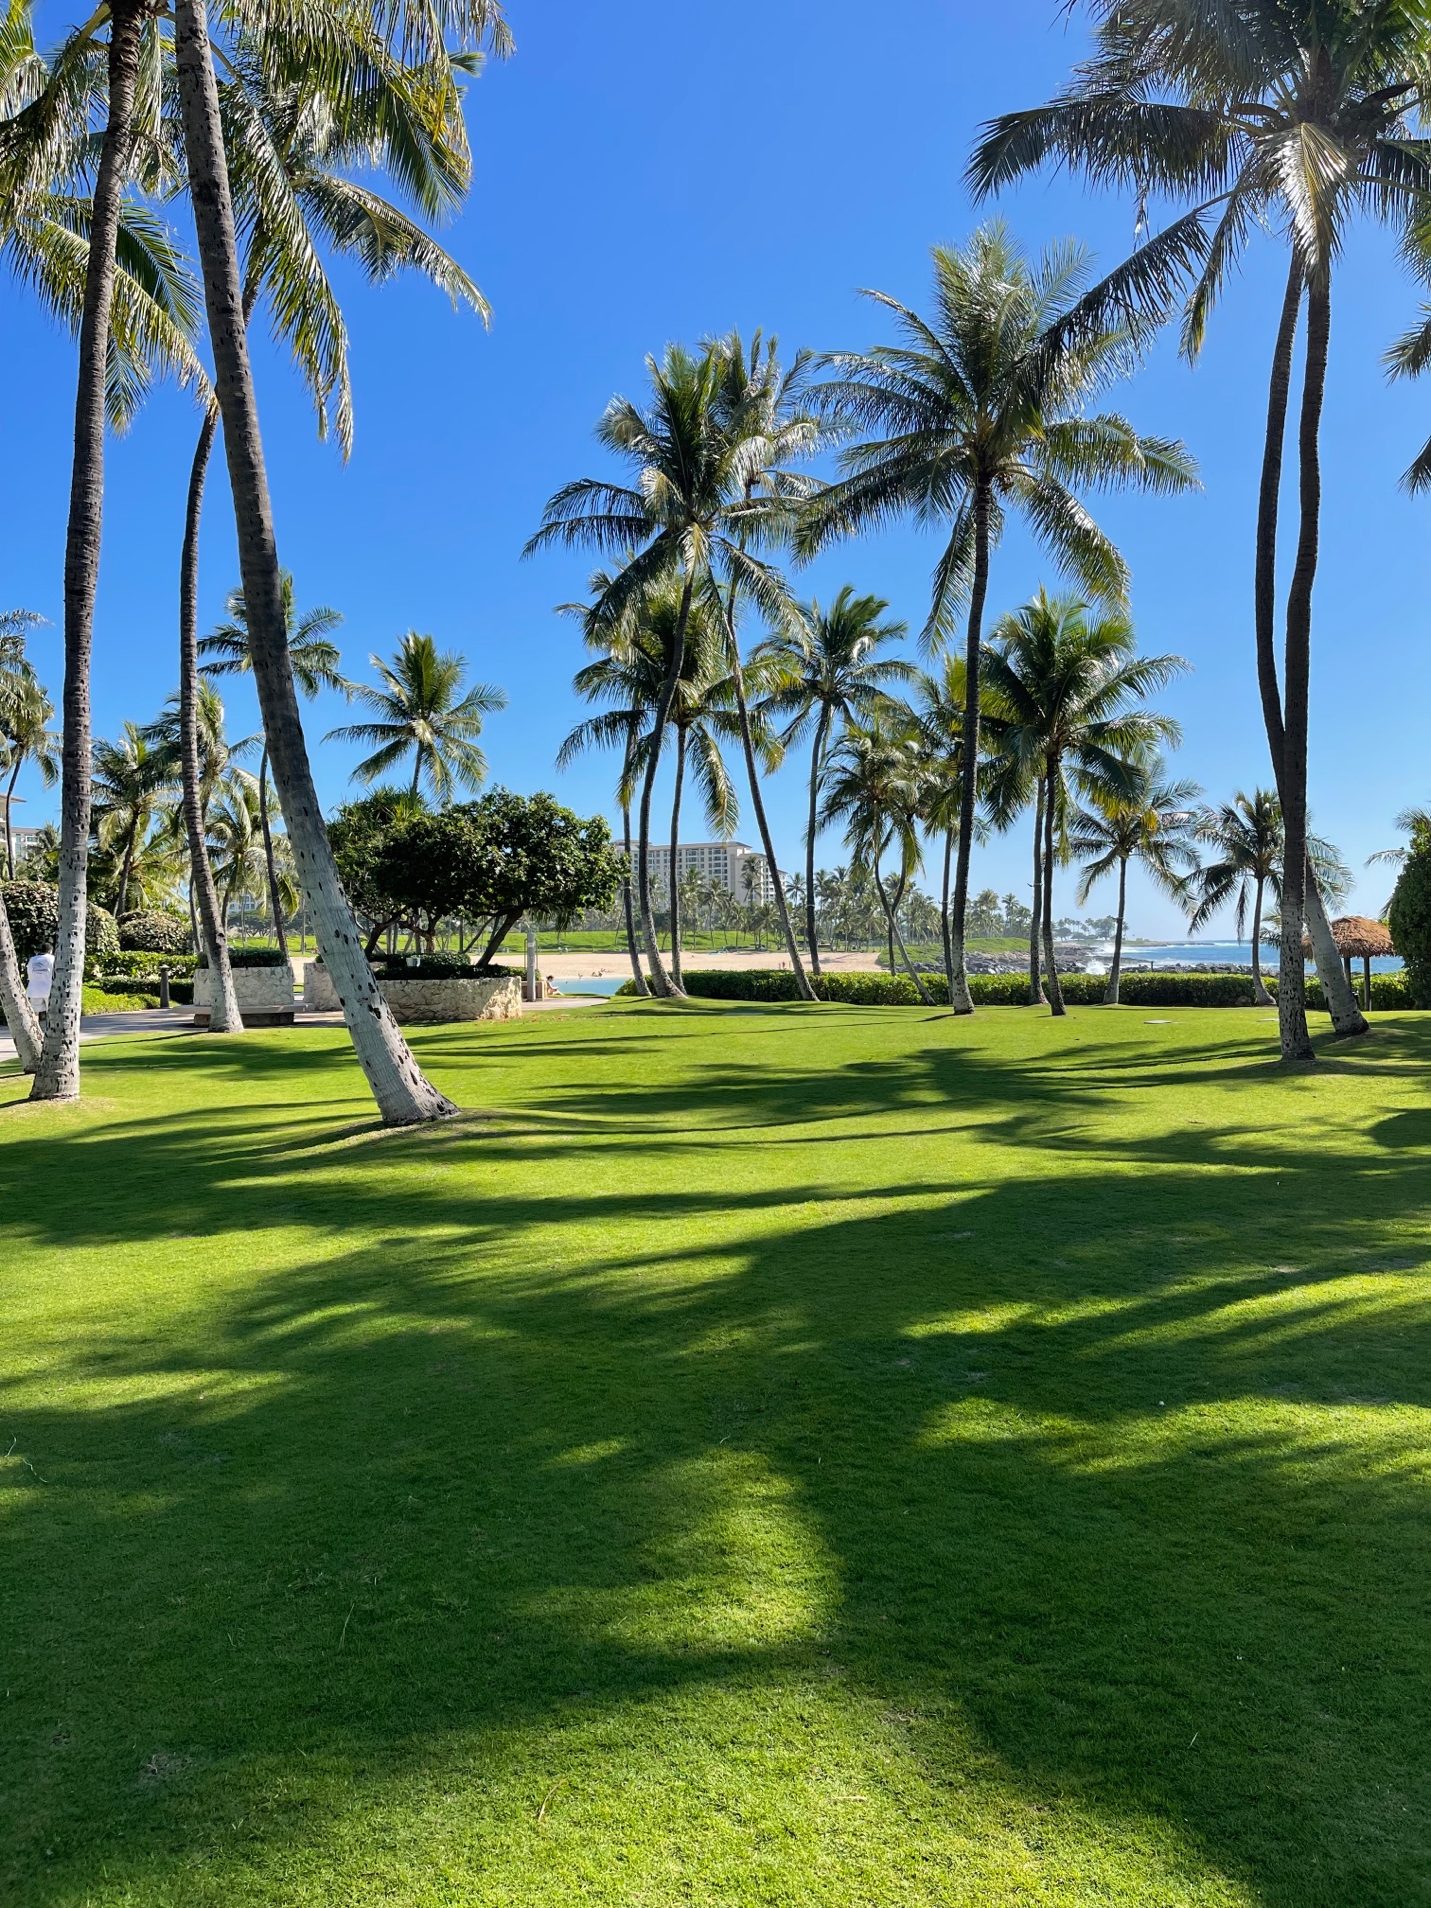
(145, 967)
(251, 957)
(146, 988)
(152, 931)
(433, 967)
(34, 910)
(99, 1000)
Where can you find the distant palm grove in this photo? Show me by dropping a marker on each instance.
(170, 181)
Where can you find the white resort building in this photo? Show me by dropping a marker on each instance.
(740, 870)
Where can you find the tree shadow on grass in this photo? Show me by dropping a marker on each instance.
(1047, 1485)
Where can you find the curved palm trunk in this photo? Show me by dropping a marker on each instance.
(757, 802)
(1050, 813)
(1291, 973)
(403, 1095)
(817, 762)
(1347, 1017)
(270, 859)
(949, 836)
(891, 915)
(675, 855)
(1115, 973)
(14, 1002)
(1260, 995)
(630, 912)
(126, 866)
(1036, 993)
(960, 998)
(57, 1077)
(662, 984)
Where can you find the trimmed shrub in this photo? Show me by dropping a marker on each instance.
(145, 967)
(251, 957)
(34, 910)
(1150, 989)
(1409, 918)
(152, 931)
(99, 1000)
(145, 988)
(432, 967)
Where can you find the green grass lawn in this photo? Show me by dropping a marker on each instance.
(768, 1456)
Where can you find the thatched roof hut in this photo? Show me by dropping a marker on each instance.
(1357, 938)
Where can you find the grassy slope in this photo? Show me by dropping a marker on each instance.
(783, 1457)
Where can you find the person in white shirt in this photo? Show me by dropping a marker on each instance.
(39, 972)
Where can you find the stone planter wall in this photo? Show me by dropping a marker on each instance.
(418, 1001)
(265, 995)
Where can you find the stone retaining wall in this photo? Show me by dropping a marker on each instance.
(483, 997)
(265, 995)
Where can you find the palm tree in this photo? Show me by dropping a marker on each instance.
(1267, 117)
(1246, 837)
(873, 784)
(131, 778)
(247, 856)
(1066, 683)
(287, 160)
(939, 713)
(403, 1095)
(45, 154)
(823, 670)
(979, 409)
(25, 736)
(1152, 824)
(314, 661)
(421, 709)
(687, 514)
(701, 715)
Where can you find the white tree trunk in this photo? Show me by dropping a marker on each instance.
(19, 1014)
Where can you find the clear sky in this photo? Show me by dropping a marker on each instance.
(648, 171)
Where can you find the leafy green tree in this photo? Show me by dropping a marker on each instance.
(1268, 117)
(420, 708)
(1151, 823)
(1067, 684)
(980, 409)
(497, 859)
(358, 833)
(1409, 916)
(314, 660)
(823, 670)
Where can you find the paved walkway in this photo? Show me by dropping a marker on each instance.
(178, 1020)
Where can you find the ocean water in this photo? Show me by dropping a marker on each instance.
(603, 984)
(1224, 954)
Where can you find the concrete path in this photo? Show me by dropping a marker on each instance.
(179, 1020)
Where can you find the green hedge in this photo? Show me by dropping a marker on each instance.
(251, 957)
(146, 990)
(432, 967)
(100, 1000)
(1152, 989)
(145, 967)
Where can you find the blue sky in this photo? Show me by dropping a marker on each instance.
(648, 171)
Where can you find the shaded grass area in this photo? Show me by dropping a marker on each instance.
(761, 1456)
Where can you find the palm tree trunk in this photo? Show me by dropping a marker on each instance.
(1050, 812)
(403, 1095)
(1291, 974)
(817, 759)
(1036, 993)
(126, 865)
(210, 935)
(960, 998)
(1347, 1018)
(675, 855)
(270, 860)
(894, 933)
(9, 831)
(1115, 973)
(1260, 995)
(949, 835)
(14, 1002)
(57, 1077)
(630, 912)
(757, 802)
(661, 982)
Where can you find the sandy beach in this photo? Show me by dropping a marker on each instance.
(592, 966)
